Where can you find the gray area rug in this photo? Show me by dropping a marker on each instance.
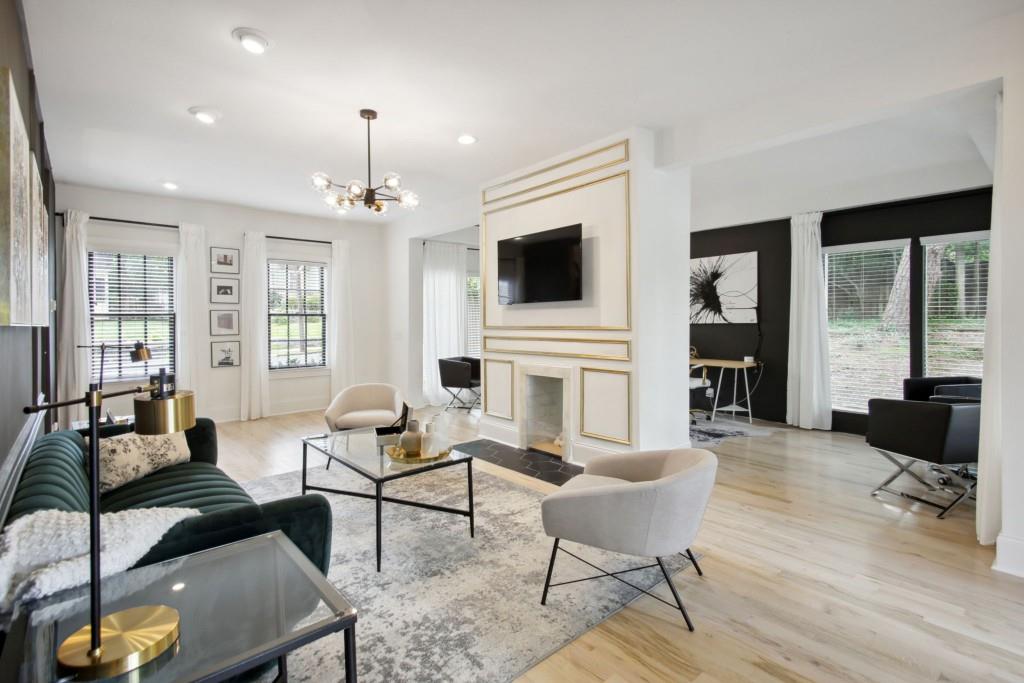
(707, 434)
(446, 607)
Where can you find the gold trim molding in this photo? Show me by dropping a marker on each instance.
(628, 441)
(511, 388)
(590, 356)
(623, 159)
(629, 260)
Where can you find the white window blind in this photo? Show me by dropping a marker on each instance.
(131, 298)
(296, 319)
(473, 301)
(868, 323)
(956, 291)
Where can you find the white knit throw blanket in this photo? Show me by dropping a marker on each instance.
(48, 551)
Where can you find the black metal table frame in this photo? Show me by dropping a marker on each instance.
(379, 482)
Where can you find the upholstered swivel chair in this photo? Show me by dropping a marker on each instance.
(649, 503)
(365, 405)
(461, 373)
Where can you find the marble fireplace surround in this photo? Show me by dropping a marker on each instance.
(524, 395)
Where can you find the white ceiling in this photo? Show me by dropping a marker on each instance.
(931, 150)
(530, 79)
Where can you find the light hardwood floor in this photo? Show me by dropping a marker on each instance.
(806, 576)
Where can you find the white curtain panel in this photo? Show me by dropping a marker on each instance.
(340, 335)
(255, 401)
(444, 312)
(192, 323)
(989, 516)
(808, 385)
(73, 317)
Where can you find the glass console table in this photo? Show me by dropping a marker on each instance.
(241, 605)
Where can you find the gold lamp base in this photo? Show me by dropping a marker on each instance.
(130, 638)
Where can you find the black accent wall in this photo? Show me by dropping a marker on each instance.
(909, 219)
(26, 354)
(771, 242)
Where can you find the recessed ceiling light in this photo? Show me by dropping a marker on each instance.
(178, 586)
(170, 186)
(205, 115)
(252, 40)
(466, 139)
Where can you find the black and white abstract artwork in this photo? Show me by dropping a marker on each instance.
(723, 289)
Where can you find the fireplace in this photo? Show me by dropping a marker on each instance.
(544, 429)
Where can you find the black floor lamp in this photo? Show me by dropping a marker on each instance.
(124, 640)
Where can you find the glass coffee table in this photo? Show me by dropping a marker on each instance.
(359, 451)
(241, 605)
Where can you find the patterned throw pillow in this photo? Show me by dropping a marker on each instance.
(127, 457)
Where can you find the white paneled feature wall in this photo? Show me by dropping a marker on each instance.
(592, 344)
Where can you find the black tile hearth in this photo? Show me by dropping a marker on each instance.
(531, 463)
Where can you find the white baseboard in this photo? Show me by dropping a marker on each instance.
(1009, 555)
(582, 452)
(500, 433)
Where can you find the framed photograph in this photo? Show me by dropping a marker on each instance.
(223, 323)
(224, 290)
(225, 354)
(16, 223)
(224, 260)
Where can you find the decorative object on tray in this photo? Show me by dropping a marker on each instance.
(224, 290)
(398, 454)
(411, 439)
(223, 323)
(15, 209)
(224, 260)
(225, 354)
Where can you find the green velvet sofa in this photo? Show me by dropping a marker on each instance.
(55, 477)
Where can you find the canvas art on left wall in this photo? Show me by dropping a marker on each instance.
(15, 209)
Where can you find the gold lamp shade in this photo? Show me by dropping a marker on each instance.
(174, 413)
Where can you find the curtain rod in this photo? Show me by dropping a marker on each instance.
(468, 248)
(60, 214)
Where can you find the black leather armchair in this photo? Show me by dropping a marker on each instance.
(461, 373)
(938, 388)
(942, 433)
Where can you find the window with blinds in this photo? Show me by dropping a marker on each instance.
(868, 323)
(131, 298)
(296, 319)
(473, 300)
(956, 291)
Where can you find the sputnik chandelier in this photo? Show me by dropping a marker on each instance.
(341, 198)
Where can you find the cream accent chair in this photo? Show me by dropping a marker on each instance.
(648, 503)
(365, 405)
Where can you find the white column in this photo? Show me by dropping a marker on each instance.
(1010, 208)
(661, 287)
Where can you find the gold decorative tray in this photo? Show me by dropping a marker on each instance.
(398, 454)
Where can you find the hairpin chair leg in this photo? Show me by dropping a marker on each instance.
(551, 567)
(675, 593)
(689, 554)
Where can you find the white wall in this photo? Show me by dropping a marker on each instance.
(404, 345)
(291, 389)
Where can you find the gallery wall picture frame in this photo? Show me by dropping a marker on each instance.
(223, 323)
(226, 354)
(224, 290)
(15, 209)
(224, 260)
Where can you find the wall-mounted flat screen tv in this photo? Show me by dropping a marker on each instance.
(542, 266)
